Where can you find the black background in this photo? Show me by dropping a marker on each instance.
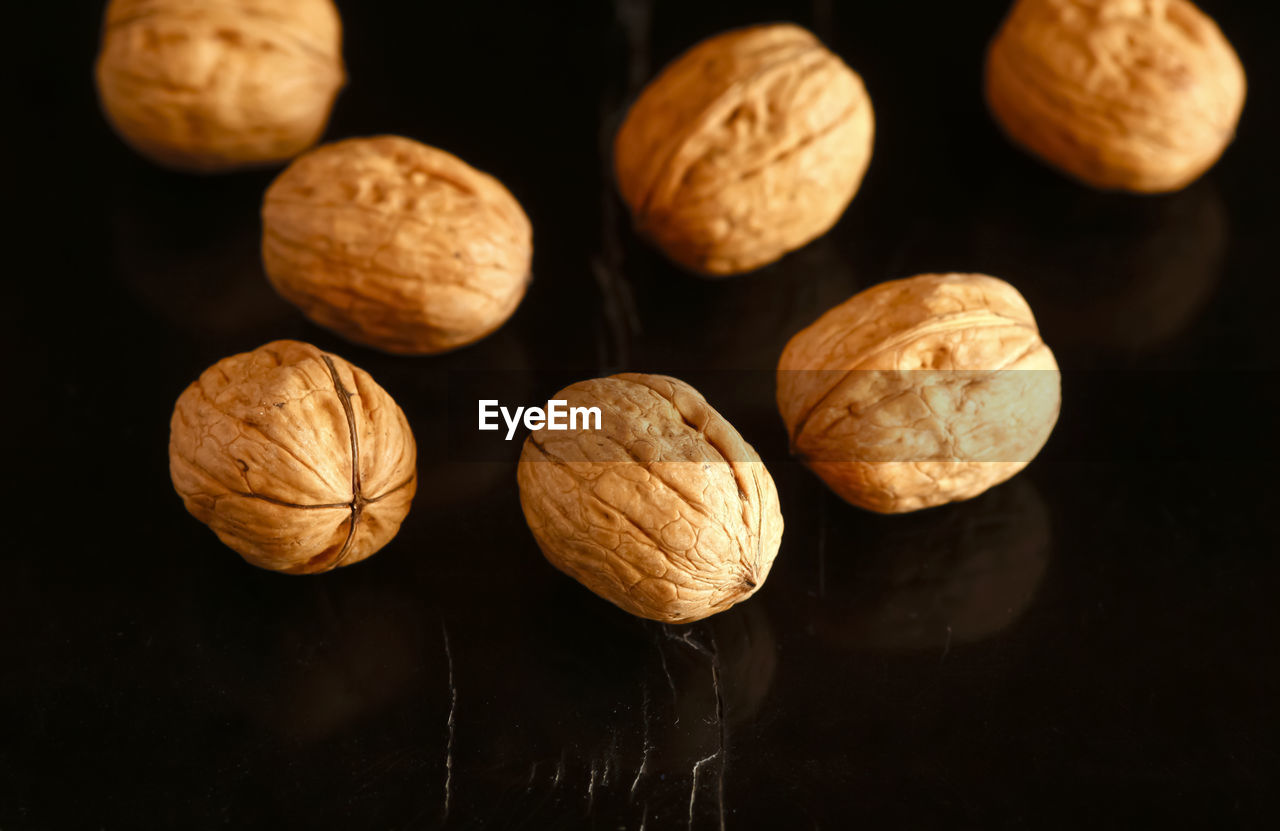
(1094, 642)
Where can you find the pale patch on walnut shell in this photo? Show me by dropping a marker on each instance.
(749, 145)
(213, 85)
(665, 511)
(261, 450)
(920, 391)
(396, 245)
(1139, 95)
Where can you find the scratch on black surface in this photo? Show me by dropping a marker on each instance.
(591, 789)
(946, 647)
(693, 789)
(713, 655)
(533, 773)
(647, 745)
(715, 681)
(671, 682)
(559, 769)
(686, 638)
(610, 759)
(616, 302)
(452, 723)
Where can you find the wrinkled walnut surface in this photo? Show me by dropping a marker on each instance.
(261, 449)
(1140, 95)
(920, 391)
(665, 511)
(396, 245)
(749, 145)
(210, 85)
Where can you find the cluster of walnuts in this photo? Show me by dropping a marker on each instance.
(911, 394)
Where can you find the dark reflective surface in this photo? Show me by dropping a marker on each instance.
(1092, 643)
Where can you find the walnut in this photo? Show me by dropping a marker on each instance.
(920, 391)
(261, 449)
(212, 86)
(396, 245)
(664, 511)
(1139, 95)
(749, 145)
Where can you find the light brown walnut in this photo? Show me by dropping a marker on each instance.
(213, 85)
(920, 391)
(749, 145)
(1138, 95)
(396, 245)
(295, 458)
(665, 511)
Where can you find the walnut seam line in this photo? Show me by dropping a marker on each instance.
(357, 498)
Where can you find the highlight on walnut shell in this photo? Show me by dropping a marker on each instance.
(296, 459)
(920, 391)
(1137, 95)
(396, 245)
(749, 145)
(213, 86)
(663, 510)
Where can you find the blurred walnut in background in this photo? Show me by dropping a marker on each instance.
(749, 145)
(920, 391)
(1139, 95)
(396, 245)
(213, 85)
(295, 458)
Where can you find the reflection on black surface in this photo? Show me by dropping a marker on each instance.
(743, 322)
(1101, 269)
(614, 717)
(340, 658)
(954, 574)
(311, 662)
(742, 648)
(202, 275)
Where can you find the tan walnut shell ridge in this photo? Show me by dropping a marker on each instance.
(295, 458)
(213, 85)
(1138, 95)
(665, 512)
(749, 145)
(920, 391)
(396, 245)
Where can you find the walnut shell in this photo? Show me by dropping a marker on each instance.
(396, 245)
(1139, 95)
(212, 85)
(920, 391)
(261, 450)
(749, 145)
(665, 511)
